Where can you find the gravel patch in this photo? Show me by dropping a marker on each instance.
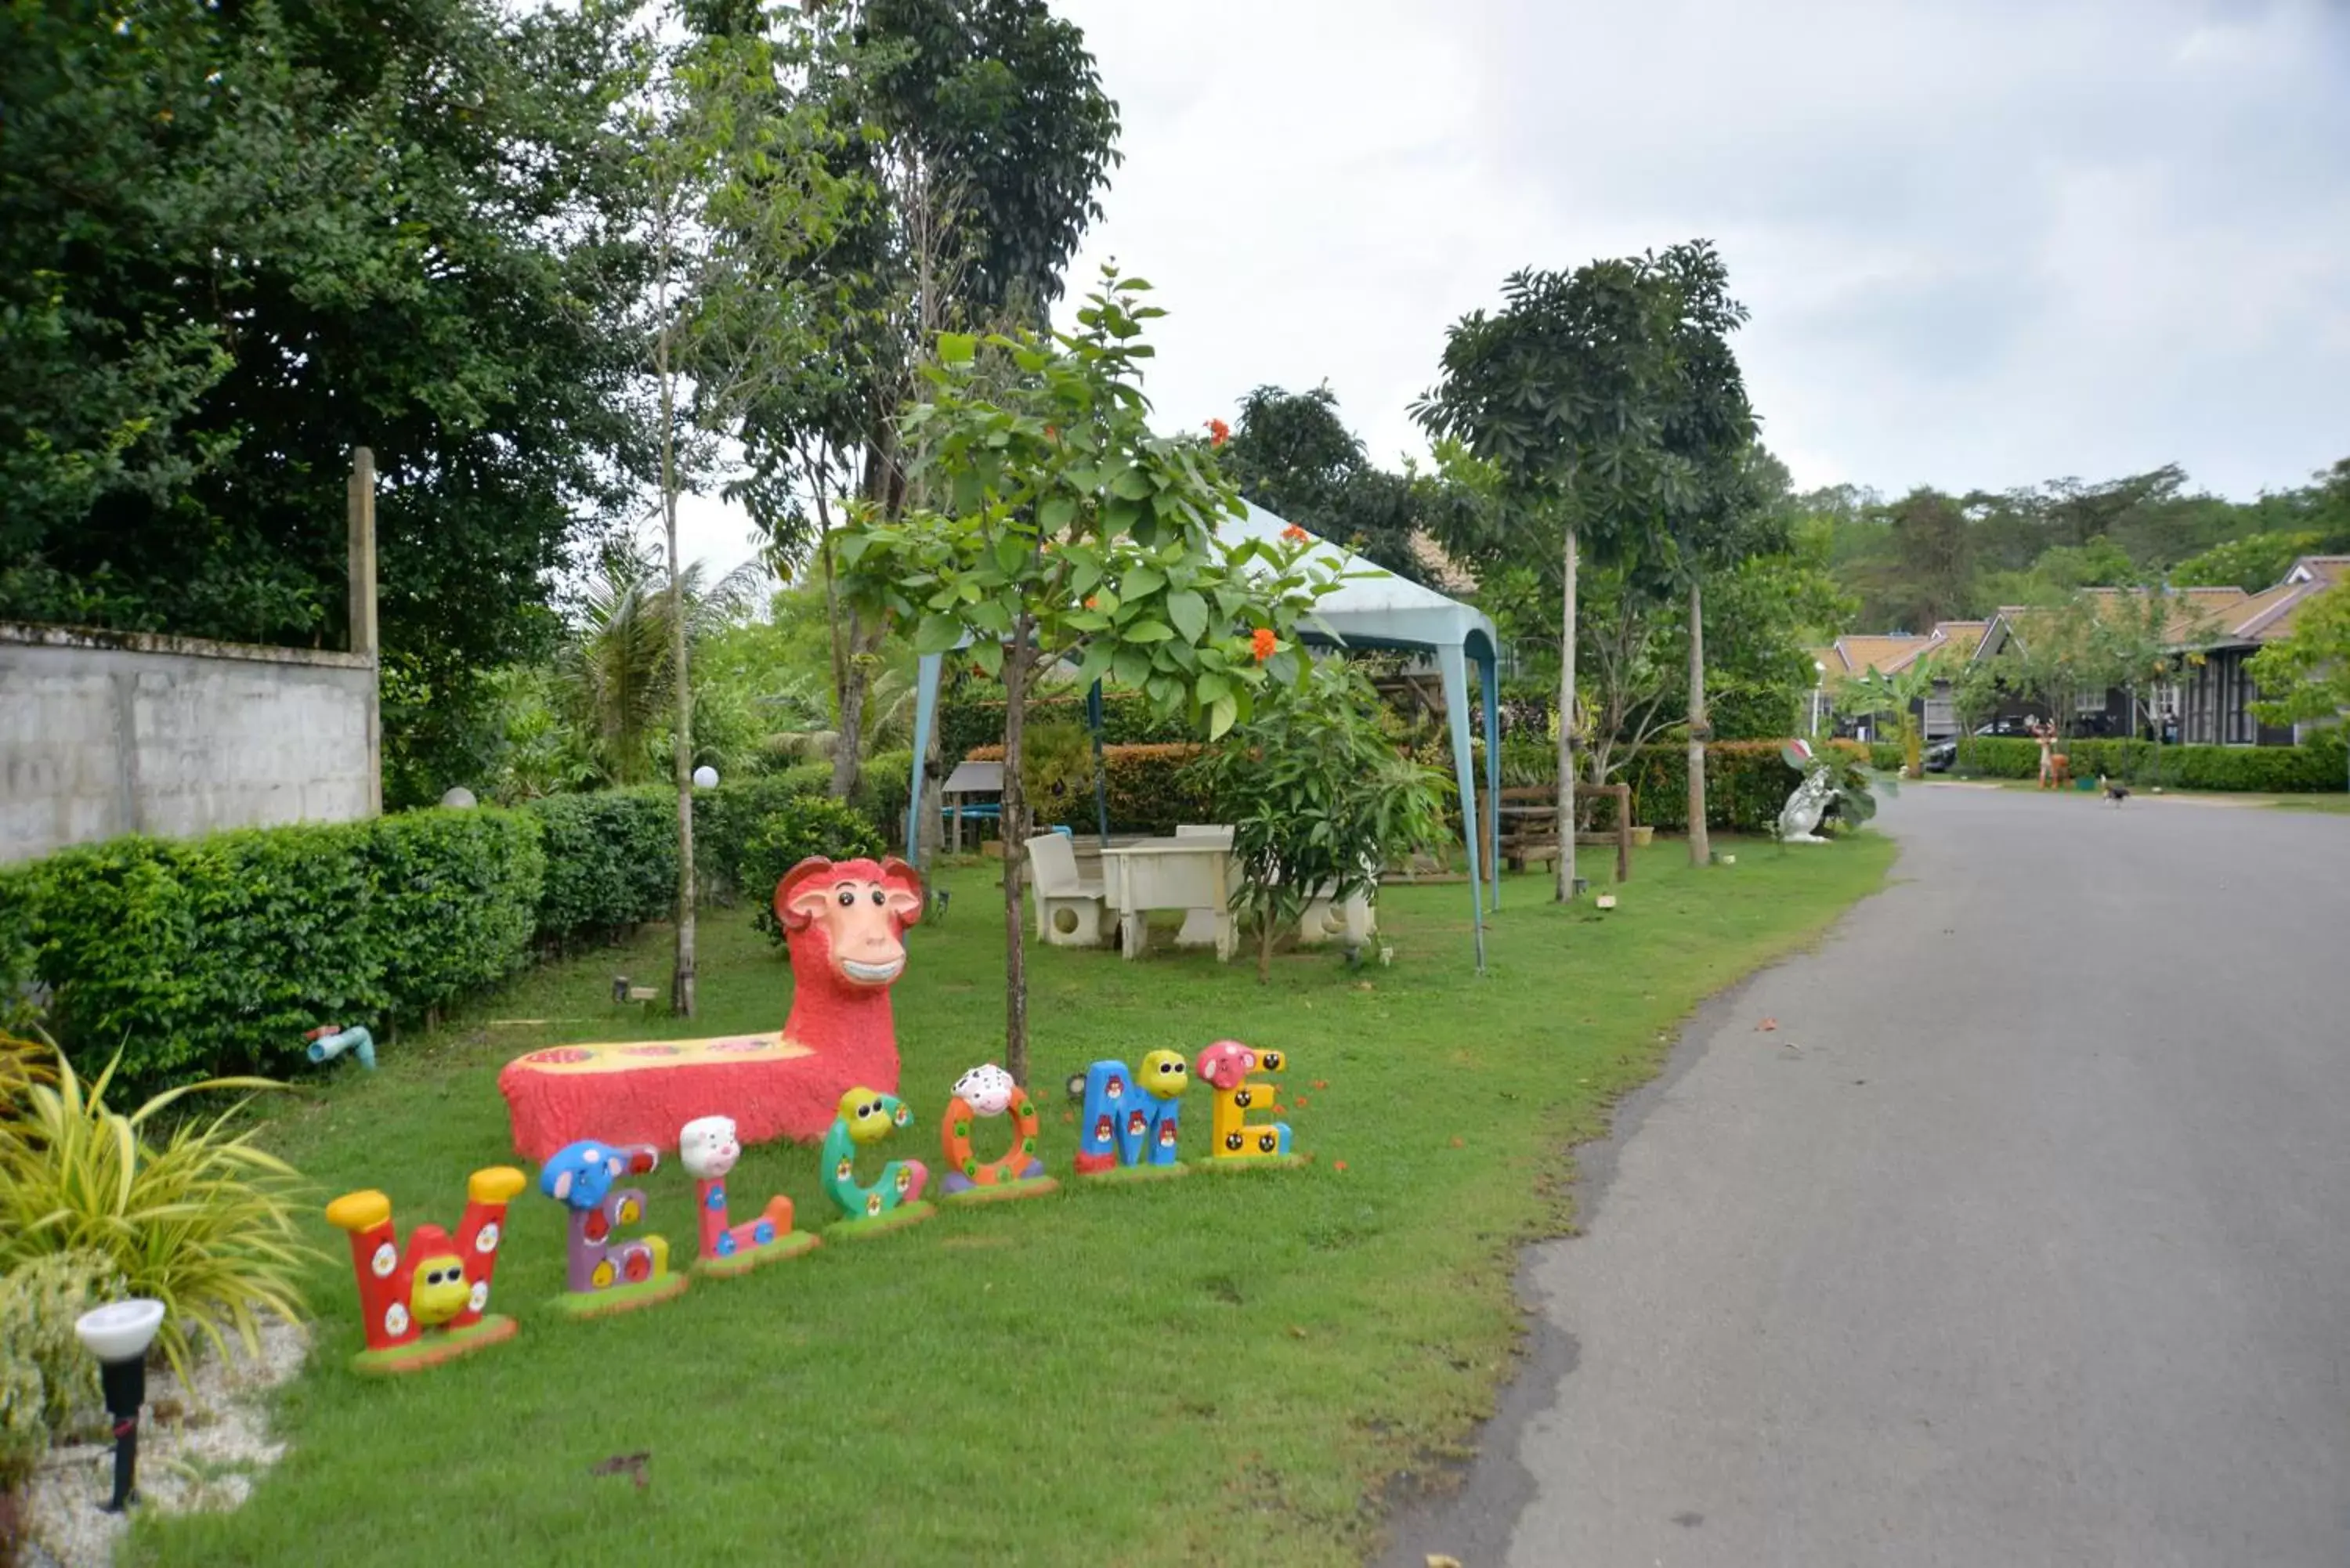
(198, 1449)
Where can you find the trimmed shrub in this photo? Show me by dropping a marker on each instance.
(216, 954)
(1747, 783)
(726, 819)
(888, 790)
(454, 899)
(612, 861)
(2314, 765)
(789, 835)
(1887, 756)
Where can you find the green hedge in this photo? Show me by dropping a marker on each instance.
(801, 828)
(215, 955)
(2315, 765)
(1747, 783)
(611, 860)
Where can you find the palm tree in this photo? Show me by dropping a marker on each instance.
(617, 672)
(1899, 693)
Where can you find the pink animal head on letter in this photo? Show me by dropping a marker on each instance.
(1226, 1065)
(854, 913)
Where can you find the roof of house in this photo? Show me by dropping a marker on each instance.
(1890, 652)
(2194, 618)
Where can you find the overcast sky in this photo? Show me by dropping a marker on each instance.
(1984, 242)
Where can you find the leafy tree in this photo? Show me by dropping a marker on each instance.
(736, 193)
(1716, 484)
(1292, 454)
(1898, 692)
(982, 137)
(616, 676)
(1320, 798)
(237, 241)
(2308, 670)
(1067, 532)
(2253, 562)
(1558, 393)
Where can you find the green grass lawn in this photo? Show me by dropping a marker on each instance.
(1217, 1369)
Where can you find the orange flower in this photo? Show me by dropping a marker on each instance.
(1219, 433)
(1263, 643)
(1296, 534)
(1092, 603)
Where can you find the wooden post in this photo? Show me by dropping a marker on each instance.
(360, 538)
(1623, 794)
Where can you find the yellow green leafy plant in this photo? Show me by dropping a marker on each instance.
(187, 1210)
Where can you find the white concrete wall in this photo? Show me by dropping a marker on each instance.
(104, 733)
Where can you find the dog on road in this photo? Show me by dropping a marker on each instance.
(2115, 791)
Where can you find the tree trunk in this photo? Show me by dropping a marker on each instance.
(680, 985)
(1701, 849)
(1565, 888)
(882, 489)
(849, 746)
(1014, 831)
(1266, 927)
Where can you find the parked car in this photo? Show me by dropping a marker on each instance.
(1943, 755)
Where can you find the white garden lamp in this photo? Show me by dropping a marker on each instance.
(119, 1335)
(705, 778)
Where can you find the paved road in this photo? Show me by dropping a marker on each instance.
(2024, 1240)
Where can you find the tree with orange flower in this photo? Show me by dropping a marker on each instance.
(1063, 530)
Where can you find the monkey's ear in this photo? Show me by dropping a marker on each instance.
(798, 898)
(562, 1187)
(903, 887)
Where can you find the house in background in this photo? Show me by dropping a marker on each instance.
(1852, 657)
(2210, 704)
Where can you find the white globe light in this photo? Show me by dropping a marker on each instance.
(460, 798)
(705, 776)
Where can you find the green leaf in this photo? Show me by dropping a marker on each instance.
(1132, 483)
(937, 634)
(1221, 713)
(1139, 581)
(1011, 554)
(988, 654)
(1054, 515)
(1095, 663)
(1189, 611)
(956, 347)
(1149, 631)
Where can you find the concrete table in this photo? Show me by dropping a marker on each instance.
(970, 779)
(1191, 874)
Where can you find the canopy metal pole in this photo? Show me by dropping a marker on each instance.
(1489, 669)
(926, 701)
(1101, 789)
(1454, 665)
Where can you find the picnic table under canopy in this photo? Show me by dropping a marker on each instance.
(1371, 608)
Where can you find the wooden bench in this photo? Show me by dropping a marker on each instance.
(1530, 825)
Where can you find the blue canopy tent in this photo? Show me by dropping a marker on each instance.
(1374, 610)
